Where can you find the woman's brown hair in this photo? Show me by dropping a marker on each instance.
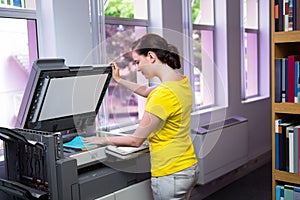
(166, 53)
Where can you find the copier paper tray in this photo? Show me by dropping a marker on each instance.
(17, 189)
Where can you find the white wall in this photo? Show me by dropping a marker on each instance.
(64, 30)
(258, 112)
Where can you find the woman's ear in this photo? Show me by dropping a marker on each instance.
(152, 56)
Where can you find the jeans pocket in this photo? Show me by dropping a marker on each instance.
(183, 182)
(183, 185)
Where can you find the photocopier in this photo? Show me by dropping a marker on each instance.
(60, 104)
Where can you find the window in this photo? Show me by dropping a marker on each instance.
(24, 4)
(19, 49)
(250, 71)
(203, 53)
(123, 104)
(133, 9)
(125, 21)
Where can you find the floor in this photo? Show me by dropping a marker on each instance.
(256, 185)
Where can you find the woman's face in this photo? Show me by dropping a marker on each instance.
(143, 64)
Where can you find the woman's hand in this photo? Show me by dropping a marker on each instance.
(96, 140)
(115, 71)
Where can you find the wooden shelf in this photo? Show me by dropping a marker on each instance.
(286, 37)
(288, 108)
(286, 177)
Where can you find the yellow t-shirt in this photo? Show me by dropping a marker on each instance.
(171, 147)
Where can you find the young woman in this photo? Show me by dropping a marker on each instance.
(166, 120)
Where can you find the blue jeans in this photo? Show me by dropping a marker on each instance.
(175, 186)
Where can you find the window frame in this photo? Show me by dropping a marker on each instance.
(204, 27)
(244, 80)
(126, 21)
(201, 27)
(17, 14)
(99, 37)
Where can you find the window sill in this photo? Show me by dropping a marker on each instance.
(254, 99)
(207, 110)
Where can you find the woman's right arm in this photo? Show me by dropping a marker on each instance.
(142, 90)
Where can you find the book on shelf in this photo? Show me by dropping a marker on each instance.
(284, 79)
(296, 193)
(291, 76)
(277, 144)
(287, 192)
(287, 79)
(287, 142)
(286, 149)
(296, 15)
(283, 145)
(290, 148)
(276, 15)
(281, 65)
(286, 15)
(297, 82)
(278, 80)
(296, 149)
(279, 192)
(291, 15)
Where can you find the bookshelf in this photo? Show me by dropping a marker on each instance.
(283, 44)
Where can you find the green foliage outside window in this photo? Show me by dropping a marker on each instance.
(7, 2)
(120, 8)
(125, 8)
(195, 9)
